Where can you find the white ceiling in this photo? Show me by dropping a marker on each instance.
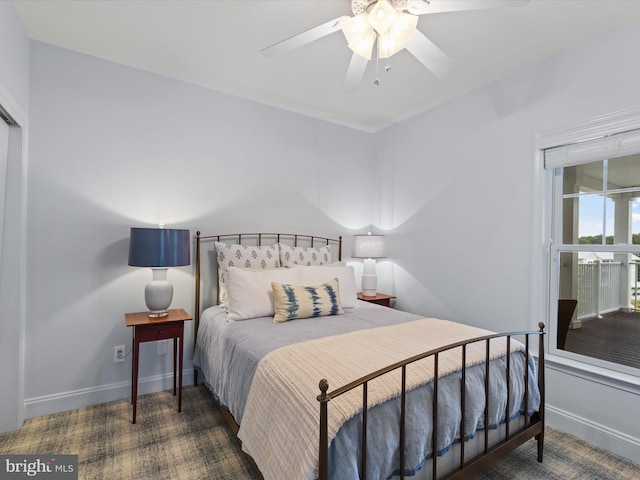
(217, 43)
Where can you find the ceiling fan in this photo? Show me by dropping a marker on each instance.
(392, 26)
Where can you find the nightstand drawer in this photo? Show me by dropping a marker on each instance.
(159, 332)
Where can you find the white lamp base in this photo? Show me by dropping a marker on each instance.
(369, 285)
(158, 294)
(369, 278)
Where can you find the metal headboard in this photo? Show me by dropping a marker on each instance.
(259, 239)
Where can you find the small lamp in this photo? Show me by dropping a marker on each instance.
(158, 248)
(369, 247)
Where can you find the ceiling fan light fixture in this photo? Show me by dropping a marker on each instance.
(388, 45)
(392, 24)
(364, 47)
(382, 16)
(360, 36)
(404, 27)
(400, 32)
(356, 28)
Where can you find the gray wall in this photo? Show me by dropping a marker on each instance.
(14, 57)
(461, 187)
(14, 97)
(114, 147)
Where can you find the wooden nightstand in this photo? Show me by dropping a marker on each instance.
(147, 329)
(380, 298)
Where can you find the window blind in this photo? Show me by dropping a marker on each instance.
(618, 145)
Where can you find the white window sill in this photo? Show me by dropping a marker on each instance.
(593, 373)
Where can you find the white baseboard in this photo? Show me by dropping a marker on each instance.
(601, 436)
(85, 397)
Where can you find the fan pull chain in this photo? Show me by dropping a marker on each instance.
(387, 67)
(377, 80)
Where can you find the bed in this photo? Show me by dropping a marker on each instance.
(320, 385)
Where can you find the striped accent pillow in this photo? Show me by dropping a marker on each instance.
(299, 301)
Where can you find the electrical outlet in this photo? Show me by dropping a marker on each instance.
(119, 354)
(162, 347)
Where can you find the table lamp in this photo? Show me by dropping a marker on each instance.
(369, 247)
(159, 248)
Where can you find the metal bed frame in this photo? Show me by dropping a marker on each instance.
(533, 426)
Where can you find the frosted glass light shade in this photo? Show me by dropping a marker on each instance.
(382, 16)
(388, 45)
(392, 29)
(360, 36)
(356, 27)
(400, 32)
(404, 27)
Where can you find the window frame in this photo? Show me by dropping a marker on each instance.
(588, 136)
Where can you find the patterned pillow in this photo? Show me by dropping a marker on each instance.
(243, 256)
(299, 301)
(304, 255)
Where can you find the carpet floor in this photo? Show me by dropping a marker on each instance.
(198, 444)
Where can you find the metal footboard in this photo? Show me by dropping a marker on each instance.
(533, 425)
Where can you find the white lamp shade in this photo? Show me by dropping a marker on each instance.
(369, 246)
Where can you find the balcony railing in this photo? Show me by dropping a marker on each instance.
(600, 287)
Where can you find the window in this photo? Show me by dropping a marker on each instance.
(594, 254)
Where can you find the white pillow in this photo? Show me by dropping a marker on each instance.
(244, 256)
(315, 275)
(304, 255)
(249, 293)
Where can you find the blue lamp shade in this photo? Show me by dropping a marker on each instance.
(159, 248)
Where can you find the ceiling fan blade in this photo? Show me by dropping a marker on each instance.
(429, 54)
(423, 7)
(305, 37)
(355, 73)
